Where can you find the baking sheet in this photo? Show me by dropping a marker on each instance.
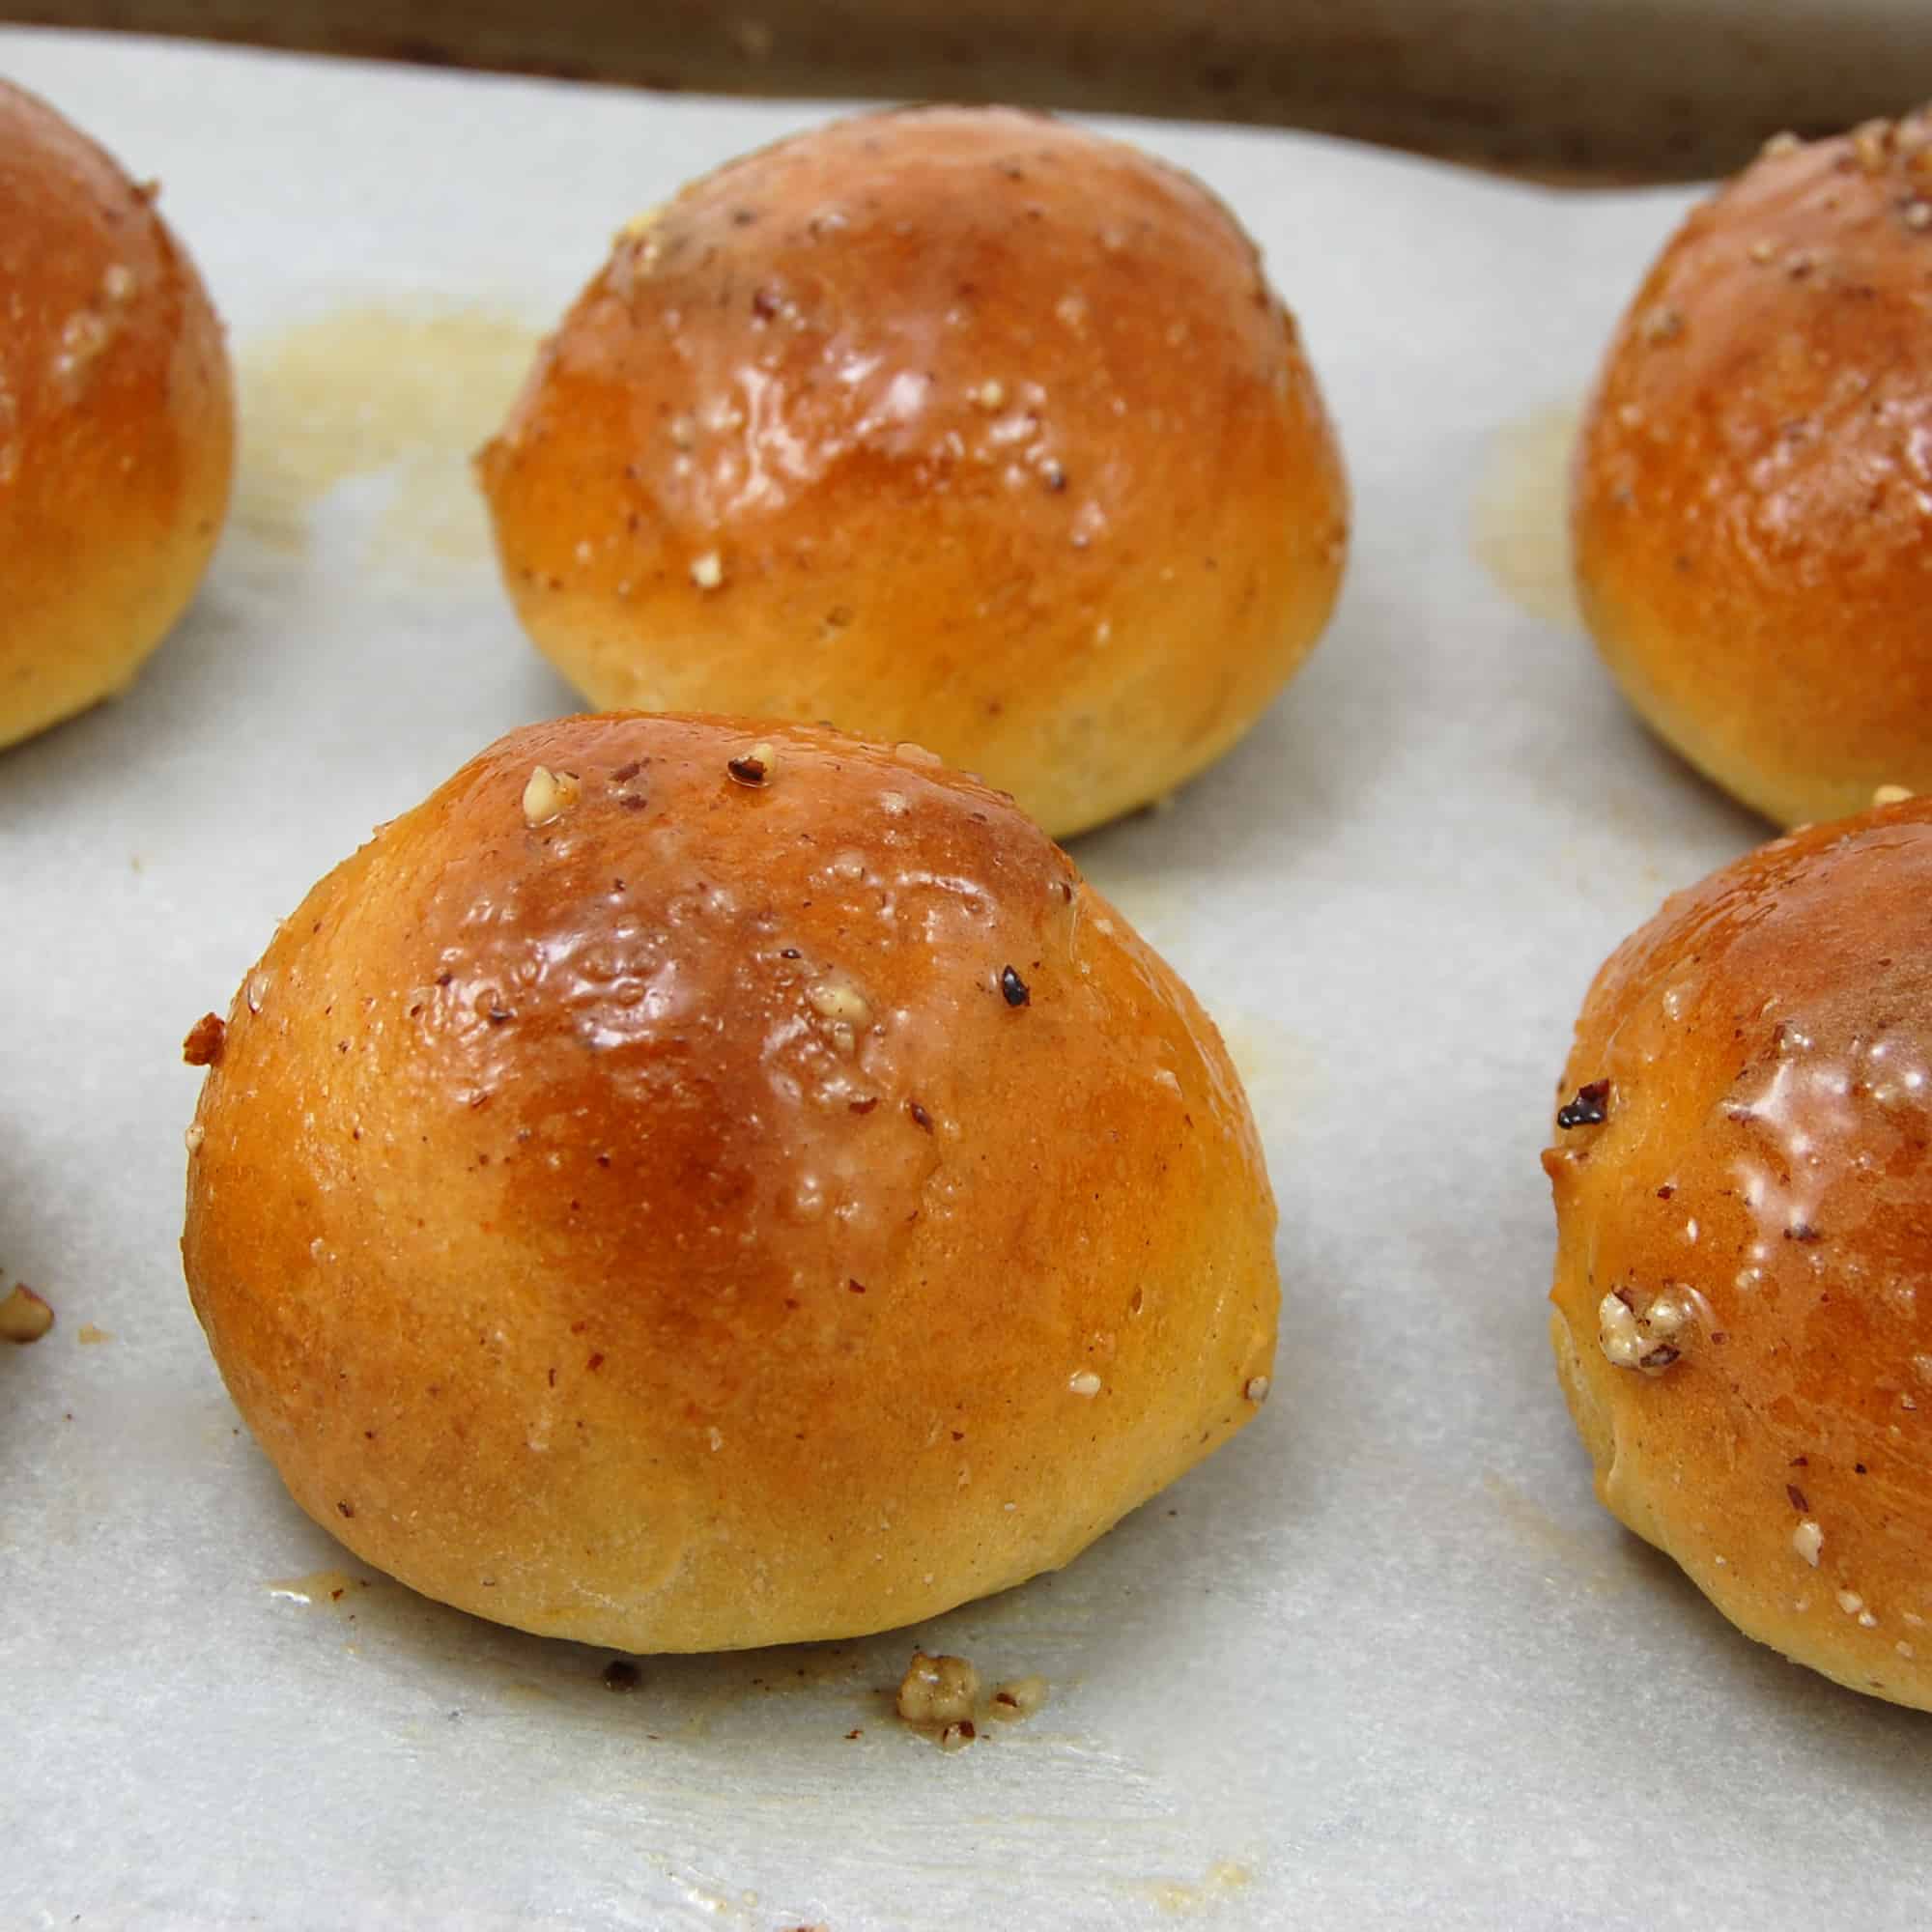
(1383, 1659)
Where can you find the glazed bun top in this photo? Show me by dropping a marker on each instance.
(1743, 1186)
(961, 425)
(116, 422)
(691, 1184)
(1753, 483)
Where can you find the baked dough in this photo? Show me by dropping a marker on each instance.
(116, 422)
(688, 1185)
(960, 425)
(1753, 505)
(1744, 1203)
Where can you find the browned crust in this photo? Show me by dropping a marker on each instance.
(1767, 1042)
(962, 426)
(116, 422)
(1753, 483)
(571, 1265)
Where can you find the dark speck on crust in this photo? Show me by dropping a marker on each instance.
(1589, 1109)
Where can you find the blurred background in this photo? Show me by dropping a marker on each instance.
(1610, 90)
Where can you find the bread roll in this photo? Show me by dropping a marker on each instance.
(1752, 507)
(116, 422)
(1744, 1201)
(961, 425)
(689, 1184)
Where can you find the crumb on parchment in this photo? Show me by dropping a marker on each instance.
(941, 1696)
(937, 1689)
(25, 1316)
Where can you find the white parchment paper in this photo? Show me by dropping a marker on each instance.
(1382, 1663)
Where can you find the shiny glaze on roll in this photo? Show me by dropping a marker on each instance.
(674, 1124)
(954, 424)
(1754, 481)
(1744, 1290)
(116, 422)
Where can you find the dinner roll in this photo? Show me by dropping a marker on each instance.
(961, 425)
(690, 1185)
(116, 422)
(1744, 1203)
(1753, 506)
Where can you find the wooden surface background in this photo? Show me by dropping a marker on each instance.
(1570, 88)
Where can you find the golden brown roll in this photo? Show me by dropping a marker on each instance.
(689, 1184)
(116, 422)
(960, 425)
(1743, 1274)
(1752, 491)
